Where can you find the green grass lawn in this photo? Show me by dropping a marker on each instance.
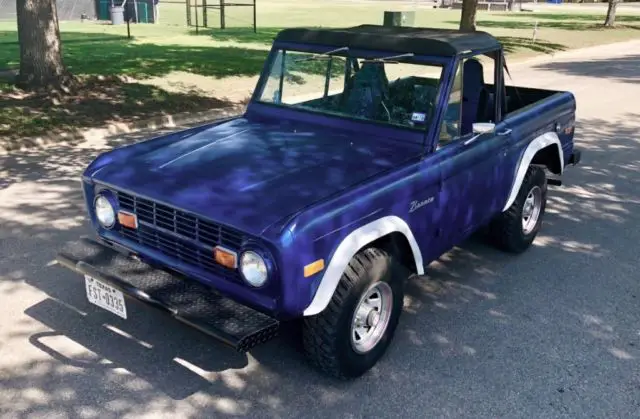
(168, 64)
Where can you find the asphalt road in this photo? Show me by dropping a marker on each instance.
(552, 333)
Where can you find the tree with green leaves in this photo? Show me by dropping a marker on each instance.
(41, 63)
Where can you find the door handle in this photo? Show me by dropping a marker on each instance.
(505, 132)
(472, 139)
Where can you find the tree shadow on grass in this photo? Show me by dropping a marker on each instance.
(100, 101)
(266, 36)
(573, 17)
(566, 25)
(241, 35)
(552, 21)
(513, 44)
(95, 103)
(117, 55)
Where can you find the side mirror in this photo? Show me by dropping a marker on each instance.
(483, 127)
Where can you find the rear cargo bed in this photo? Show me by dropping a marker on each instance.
(520, 97)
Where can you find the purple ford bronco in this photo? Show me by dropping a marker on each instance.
(364, 154)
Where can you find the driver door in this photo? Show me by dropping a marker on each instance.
(471, 167)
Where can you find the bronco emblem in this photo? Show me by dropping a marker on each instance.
(419, 204)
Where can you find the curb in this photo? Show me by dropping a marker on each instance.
(75, 137)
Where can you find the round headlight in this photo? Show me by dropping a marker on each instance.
(105, 213)
(253, 268)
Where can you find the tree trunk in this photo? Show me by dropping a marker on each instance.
(611, 14)
(41, 63)
(468, 15)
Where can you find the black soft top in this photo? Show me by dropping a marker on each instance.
(400, 39)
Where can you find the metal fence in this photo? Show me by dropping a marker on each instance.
(205, 7)
(196, 14)
(192, 13)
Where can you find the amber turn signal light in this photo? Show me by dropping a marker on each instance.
(313, 268)
(225, 257)
(127, 219)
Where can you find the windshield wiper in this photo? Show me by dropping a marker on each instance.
(390, 59)
(323, 56)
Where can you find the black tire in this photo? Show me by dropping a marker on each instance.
(327, 335)
(506, 230)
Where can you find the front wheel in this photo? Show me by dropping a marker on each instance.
(354, 331)
(515, 229)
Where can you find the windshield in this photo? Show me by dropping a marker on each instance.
(391, 90)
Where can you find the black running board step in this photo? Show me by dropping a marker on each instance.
(186, 300)
(554, 181)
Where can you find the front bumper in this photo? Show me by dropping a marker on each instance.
(186, 300)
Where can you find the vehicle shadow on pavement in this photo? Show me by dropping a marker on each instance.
(471, 316)
(157, 355)
(623, 69)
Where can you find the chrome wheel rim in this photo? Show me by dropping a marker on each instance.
(531, 210)
(371, 317)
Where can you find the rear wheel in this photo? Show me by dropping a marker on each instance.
(354, 331)
(515, 229)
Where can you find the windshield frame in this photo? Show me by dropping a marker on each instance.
(392, 129)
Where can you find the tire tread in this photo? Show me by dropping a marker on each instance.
(506, 229)
(320, 331)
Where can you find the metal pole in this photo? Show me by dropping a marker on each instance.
(128, 20)
(255, 23)
(222, 25)
(188, 2)
(205, 20)
(196, 7)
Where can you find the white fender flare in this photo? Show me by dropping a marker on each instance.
(538, 143)
(348, 248)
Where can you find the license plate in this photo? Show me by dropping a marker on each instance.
(105, 296)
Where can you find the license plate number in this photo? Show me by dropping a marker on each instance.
(105, 296)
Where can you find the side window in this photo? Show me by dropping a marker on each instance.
(450, 128)
(487, 99)
(472, 99)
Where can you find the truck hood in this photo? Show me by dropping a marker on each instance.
(250, 175)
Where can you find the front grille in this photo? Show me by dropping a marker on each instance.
(179, 234)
